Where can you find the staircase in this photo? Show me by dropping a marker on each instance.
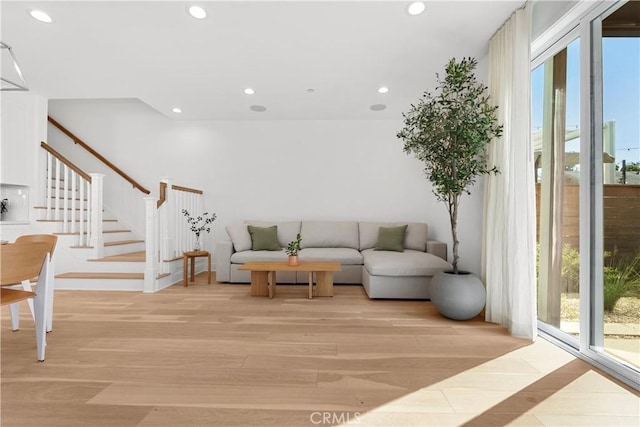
(123, 262)
(96, 249)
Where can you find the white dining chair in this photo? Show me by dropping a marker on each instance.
(22, 262)
(51, 240)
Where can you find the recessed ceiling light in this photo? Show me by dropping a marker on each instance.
(249, 91)
(378, 107)
(416, 8)
(383, 89)
(258, 108)
(176, 110)
(40, 16)
(197, 12)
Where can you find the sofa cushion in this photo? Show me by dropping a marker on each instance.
(258, 256)
(345, 256)
(264, 238)
(240, 237)
(415, 238)
(329, 234)
(287, 230)
(407, 263)
(391, 238)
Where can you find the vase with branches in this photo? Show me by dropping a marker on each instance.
(199, 224)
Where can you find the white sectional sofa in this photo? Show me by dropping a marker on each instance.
(384, 274)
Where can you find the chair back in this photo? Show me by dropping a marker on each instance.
(21, 262)
(49, 239)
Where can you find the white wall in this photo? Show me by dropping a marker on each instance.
(546, 13)
(269, 170)
(23, 126)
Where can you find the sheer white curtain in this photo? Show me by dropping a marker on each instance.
(509, 206)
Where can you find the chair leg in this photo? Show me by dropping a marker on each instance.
(50, 298)
(15, 316)
(26, 285)
(41, 324)
(41, 303)
(15, 307)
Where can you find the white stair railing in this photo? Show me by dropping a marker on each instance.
(75, 198)
(167, 231)
(192, 201)
(123, 195)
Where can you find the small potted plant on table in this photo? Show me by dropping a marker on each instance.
(292, 250)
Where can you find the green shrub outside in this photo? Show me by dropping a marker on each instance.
(621, 275)
(621, 278)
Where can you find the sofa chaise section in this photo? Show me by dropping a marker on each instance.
(401, 275)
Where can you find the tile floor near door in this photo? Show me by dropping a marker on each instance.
(212, 355)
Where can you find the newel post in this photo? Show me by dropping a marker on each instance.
(151, 251)
(167, 232)
(97, 240)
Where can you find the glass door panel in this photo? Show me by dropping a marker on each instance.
(619, 314)
(556, 141)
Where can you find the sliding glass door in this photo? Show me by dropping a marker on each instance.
(556, 139)
(617, 316)
(586, 137)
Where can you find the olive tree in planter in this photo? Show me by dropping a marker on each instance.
(449, 131)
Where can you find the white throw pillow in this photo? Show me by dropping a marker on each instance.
(240, 237)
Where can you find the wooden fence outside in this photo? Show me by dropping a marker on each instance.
(621, 217)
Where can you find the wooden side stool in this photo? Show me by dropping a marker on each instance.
(186, 256)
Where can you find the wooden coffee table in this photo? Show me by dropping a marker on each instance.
(263, 276)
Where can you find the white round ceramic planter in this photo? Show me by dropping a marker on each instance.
(458, 296)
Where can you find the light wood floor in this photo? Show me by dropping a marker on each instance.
(212, 355)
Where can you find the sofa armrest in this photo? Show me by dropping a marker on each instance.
(224, 250)
(437, 248)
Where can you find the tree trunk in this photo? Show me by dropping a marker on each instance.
(453, 218)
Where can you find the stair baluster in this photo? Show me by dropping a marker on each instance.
(49, 185)
(65, 201)
(58, 195)
(74, 178)
(81, 229)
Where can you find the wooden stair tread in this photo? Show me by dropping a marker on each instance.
(71, 198)
(139, 256)
(160, 276)
(75, 233)
(93, 275)
(60, 208)
(122, 242)
(77, 220)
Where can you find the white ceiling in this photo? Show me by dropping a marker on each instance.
(158, 53)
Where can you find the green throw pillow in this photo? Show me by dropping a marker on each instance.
(264, 238)
(391, 239)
